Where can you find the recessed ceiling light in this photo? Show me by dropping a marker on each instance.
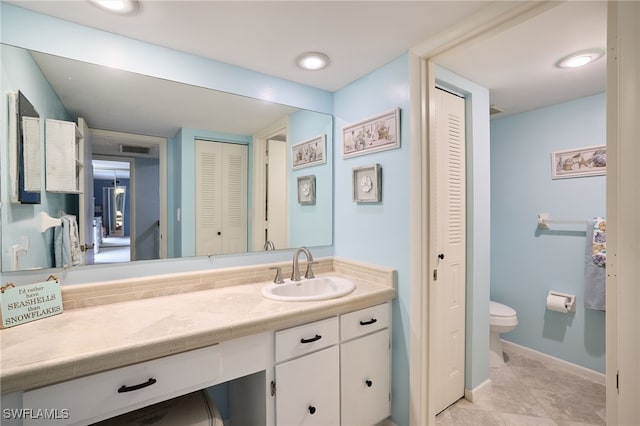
(579, 59)
(117, 6)
(312, 61)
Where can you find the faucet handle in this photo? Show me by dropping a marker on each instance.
(278, 279)
(309, 273)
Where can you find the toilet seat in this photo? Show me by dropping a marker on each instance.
(502, 315)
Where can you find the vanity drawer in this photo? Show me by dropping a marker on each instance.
(104, 395)
(364, 321)
(306, 338)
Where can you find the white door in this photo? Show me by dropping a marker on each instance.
(448, 251)
(276, 205)
(86, 202)
(221, 198)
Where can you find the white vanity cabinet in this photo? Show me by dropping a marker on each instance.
(323, 379)
(307, 374)
(365, 366)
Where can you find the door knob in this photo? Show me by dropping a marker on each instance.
(441, 256)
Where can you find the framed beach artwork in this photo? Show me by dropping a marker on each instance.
(373, 134)
(367, 184)
(309, 153)
(590, 161)
(307, 190)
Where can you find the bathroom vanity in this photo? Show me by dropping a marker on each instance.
(317, 362)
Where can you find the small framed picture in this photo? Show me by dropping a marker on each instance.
(373, 134)
(367, 184)
(309, 153)
(307, 190)
(590, 161)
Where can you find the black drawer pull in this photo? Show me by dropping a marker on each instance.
(369, 383)
(371, 321)
(123, 388)
(312, 409)
(313, 339)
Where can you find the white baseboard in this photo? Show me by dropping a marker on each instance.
(556, 362)
(478, 392)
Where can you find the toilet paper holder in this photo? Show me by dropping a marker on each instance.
(569, 300)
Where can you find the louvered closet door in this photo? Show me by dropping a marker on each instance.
(221, 197)
(448, 287)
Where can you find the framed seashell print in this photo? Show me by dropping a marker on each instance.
(367, 184)
(373, 134)
(589, 161)
(309, 153)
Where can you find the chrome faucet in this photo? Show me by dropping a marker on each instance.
(295, 274)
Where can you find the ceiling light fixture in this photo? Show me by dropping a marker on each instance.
(312, 61)
(580, 59)
(117, 6)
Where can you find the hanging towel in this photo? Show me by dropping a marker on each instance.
(67, 243)
(595, 265)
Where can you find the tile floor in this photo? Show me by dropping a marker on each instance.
(526, 392)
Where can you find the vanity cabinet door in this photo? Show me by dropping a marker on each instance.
(308, 388)
(365, 379)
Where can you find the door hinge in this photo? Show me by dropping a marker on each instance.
(618, 381)
(273, 388)
(435, 275)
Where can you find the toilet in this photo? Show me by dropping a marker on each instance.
(502, 319)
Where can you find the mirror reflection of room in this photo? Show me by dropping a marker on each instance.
(112, 237)
(176, 114)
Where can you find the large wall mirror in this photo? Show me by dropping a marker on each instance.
(149, 175)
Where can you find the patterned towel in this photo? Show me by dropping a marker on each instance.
(599, 242)
(595, 265)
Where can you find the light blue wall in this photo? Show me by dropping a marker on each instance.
(525, 263)
(147, 172)
(379, 233)
(20, 72)
(311, 225)
(478, 176)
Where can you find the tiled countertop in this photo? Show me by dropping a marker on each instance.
(90, 340)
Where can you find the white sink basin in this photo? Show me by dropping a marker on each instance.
(320, 288)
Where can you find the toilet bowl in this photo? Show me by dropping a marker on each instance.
(502, 319)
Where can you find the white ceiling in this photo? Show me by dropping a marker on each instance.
(517, 65)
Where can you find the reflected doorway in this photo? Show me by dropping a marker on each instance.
(112, 235)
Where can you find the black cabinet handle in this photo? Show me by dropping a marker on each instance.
(123, 388)
(312, 409)
(371, 321)
(369, 383)
(441, 256)
(313, 339)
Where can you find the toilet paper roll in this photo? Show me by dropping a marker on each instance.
(557, 303)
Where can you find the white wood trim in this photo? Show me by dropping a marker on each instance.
(161, 143)
(623, 205)
(555, 362)
(490, 20)
(481, 391)
(258, 190)
(418, 204)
